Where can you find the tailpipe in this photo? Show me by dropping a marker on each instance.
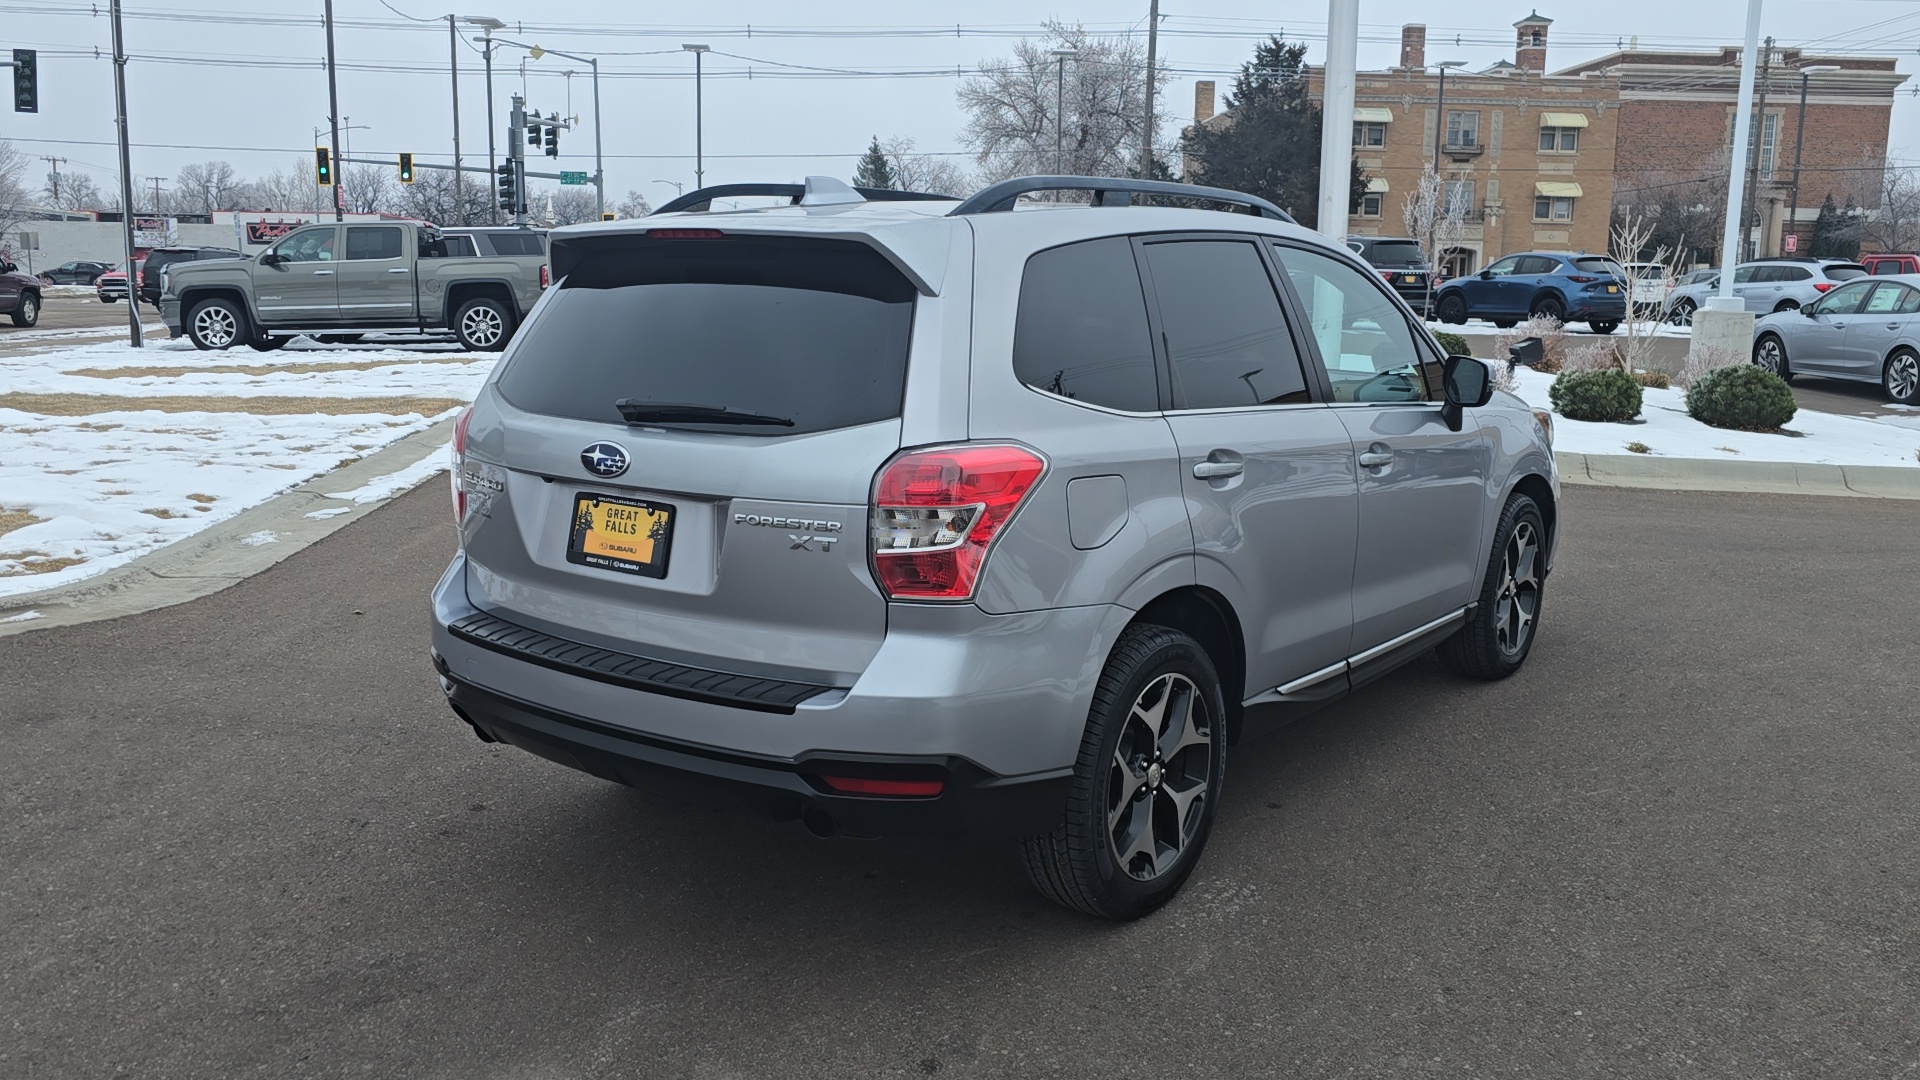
(820, 823)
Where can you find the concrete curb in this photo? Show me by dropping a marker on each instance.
(1761, 477)
(209, 561)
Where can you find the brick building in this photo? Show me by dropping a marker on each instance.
(1676, 113)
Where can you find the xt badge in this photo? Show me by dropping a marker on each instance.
(805, 543)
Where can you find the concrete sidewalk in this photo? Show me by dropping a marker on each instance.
(1770, 477)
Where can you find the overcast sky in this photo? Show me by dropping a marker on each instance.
(243, 81)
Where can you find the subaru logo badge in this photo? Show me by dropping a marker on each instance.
(605, 459)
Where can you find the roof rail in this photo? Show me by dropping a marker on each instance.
(817, 191)
(1001, 196)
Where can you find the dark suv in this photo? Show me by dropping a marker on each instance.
(1402, 266)
(159, 258)
(77, 272)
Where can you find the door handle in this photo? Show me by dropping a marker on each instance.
(399, 270)
(323, 273)
(1893, 326)
(1214, 470)
(1376, 459)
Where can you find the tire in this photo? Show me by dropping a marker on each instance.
(1603, 326)
(1786, 305)
(216, 324)
(109, 299)
(1505, 324)
(482, 325)
(1900, 378)
(1549, 306)
(266, 344)
(1500, 631)
(1452, 309)
(1771, 353)
(28, 313)
(1153, 670)
(1682, 312)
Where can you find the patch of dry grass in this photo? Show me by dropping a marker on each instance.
(36, 562)
(90, 404)
(313, 368)
(15, 519)
(162, 513)
(199, 498)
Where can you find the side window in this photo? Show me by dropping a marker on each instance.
(1884, 301)
(1743, 274)
(1368, 349)
(1793, 273)
(1504, 267)
(1227, 338)
(308, 245)
(516, 243)
(1844, 300)
(1081, 331)
(1909, 301)
(373, 242)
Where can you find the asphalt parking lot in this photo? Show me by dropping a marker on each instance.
(243, 837)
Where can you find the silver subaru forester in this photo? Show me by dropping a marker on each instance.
(1005, 517)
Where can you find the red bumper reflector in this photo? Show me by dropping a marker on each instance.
(862, 785)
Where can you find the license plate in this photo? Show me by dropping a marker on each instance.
(611, 532)
(1613, 288)
(1412, 280)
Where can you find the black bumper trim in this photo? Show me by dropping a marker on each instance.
(632, 672)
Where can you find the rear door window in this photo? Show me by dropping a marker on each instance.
(516, 243)
(811, 331)
(1227, 339)
(1538, 264)
(1081, 331)
(1884, 301)
(1396, 254)
(373, 242)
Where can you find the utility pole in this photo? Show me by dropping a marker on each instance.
(493, 161)
(1153, 52)
(1750, 218)
(156, 191)
(699, 120)
(126, 175)
(333, 121)
(1060, 56)
(53, 179)
(459, 184)
(1799, 130)
(516, 155)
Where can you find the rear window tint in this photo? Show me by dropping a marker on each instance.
(1081, 331)
(1845, 273)
(1395, 253)
(1600, 266)
(812, 330)
(516, 243)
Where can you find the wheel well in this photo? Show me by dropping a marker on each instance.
(1547, 294)
(209, 292)
(1787, 305)
(472, 290)
(1207, 617)
(1535, 487)
(1893, 352)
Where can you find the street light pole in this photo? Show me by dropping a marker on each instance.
(1060, 107)
(453, 59)
(126, 177)
(1336, 129)
(1736, 170)
(699, 152)
(333, 121)
(1439, 189)
(599, 170)
(1799, 130)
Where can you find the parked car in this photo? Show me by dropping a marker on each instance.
(1765, 285)
(1863, 331)
(1567, 286)
(19, 295)
(78, 272)
(154, 268)
(1650, 285)
(111, 287)
(1401, 265)
(1882, 265)
(335, 281)
(924, 517)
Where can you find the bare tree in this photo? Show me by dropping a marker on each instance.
(1894, 224)
(924, 172)
(1013, 122)
(1632, 242)
(282, 189)
(13, 194)
(206, 187)
(366, 190)
(635, 205)
(564, 205)
(432, 197)
(1683, 210)
(1435, 221)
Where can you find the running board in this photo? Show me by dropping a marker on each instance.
(1290, 701)
(414, 331)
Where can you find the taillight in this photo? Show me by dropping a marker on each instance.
(459, 465)
(1822, 286)
(546, 276)
(935, 514)
(1581, 278)
(1386, 275)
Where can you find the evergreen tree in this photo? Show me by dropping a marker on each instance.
(1827, 228)
(1269, 144)
(875, 170)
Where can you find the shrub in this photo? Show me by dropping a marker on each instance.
(1608, 396)
(1454, 344)
(1653, 380)
(1553, 341)
(1743, 397)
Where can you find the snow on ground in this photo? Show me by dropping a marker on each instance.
(115, 484)
(1668, 432)
(381, 487)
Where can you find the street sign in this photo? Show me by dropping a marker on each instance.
(1791, 243)
(574, 178)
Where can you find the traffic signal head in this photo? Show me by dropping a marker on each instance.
(533, 134)
(26, 81)
(553, 142)
(509, 190)
(406, 168)
(323, 166)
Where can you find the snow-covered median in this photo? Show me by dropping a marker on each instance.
(1667, 431)
(109, 452)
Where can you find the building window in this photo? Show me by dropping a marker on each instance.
(1559, 140)
(1369, 134)
(1370, 204)
(1552, 208)
(1463, 129)
(1769, 142)
(1457, 197)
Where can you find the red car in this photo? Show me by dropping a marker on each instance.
(19, 295)
(1882, 265)
(111, 286)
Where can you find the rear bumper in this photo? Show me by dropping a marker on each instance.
(1582, 308)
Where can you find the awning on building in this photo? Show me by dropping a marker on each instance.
(1563, 119)
(1376, 184)
(1373, 116)
(1557, 189)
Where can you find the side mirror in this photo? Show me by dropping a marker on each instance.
(1469, 385)
(1526, 352)
(272, 258)
(1484, 275)
(1809, 311)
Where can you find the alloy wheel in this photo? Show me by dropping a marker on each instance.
(1903, 376)
(216, 326)
(1772, 356)
(482, 326)
(1518, 601)
(1157, 781)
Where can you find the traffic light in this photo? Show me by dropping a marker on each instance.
(26, 81)
(406, 168)
(509, 189)
(533, 134)
(553, 142)
(323, 166)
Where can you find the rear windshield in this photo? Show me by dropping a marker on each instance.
(1845, 273)
(516, 243)
(1396, 253)
(1649, 271)
(1600, 266)
(815, 331)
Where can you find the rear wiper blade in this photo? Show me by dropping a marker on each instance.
(666, 412)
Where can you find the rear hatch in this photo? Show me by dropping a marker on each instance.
(676, 459)
(1402, 266)
(1600, 276)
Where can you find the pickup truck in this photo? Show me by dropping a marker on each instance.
(338, 281)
